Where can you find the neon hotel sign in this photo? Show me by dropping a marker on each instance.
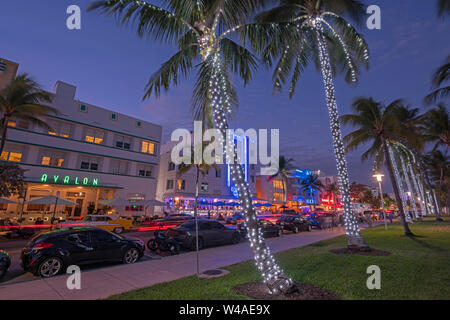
(58, 179)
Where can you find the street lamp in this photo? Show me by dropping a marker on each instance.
(379, 178)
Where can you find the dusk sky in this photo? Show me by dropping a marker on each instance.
(110, 66)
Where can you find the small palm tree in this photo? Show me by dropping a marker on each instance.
(203, 169)
(21, 99)
(311, 184)
(436, 127)
(330, 41)
(376, 124)
(440, 77)
(333, 190)
(284, 168)
(211, 37)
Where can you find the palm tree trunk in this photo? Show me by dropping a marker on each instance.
(430, 187)
(196, 220)
(284, 190)
(273, 276)
(398, 198)
(4, 130)
(354, 237)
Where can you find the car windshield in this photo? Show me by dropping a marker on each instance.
(187, 225)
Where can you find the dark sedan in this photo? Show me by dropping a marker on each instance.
(210, 233)
(50, 253)
(294, 224)
(269, 229)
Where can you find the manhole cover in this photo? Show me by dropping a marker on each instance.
(213, 272)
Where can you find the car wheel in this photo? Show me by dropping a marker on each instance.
(295, 230)
(152, 245)
(236, 238)
(50, 267)
(118, 230)
(174, 249)
(194, 244)
(131, 256)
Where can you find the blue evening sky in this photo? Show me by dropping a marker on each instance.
(110, 66)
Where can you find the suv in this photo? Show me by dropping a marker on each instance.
(294, 224)
(50, 253)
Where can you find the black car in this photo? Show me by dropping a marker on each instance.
(294, 224)
(50, 253)
(210, 232)
(235, 219)
(269, 229)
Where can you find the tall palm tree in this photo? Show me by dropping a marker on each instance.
(207, 34)
(440, 77)
(377, 125)
(203, 169)
(311, 184)
(21, 99)
(284, 167)
(443, 7)
(439, 165)
(436, 127)
(329, 40)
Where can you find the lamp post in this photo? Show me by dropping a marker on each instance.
(379, 178)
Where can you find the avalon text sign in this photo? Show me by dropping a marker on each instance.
(59, 179)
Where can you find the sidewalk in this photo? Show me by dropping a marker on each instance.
(104, 282)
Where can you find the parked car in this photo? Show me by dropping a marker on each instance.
(235, 219)
(210, 232)
(50, 253)
(106, 222)
(284, 212)
(269, 229)
(12, 230)
(5, 262)
(294, 223)
(313, 219)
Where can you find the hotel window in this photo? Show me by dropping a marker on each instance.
(252, 179)
(88, 163)
(113, 116)
(145, 171)
(181, 184)
(59, 128)
(94, 136)
(169, 185)
(218, 173)
(122, 142)
(148, 147)
(277, 184)
(139, 124)
(119, 167)
(53, 159)
(12, 153)
(204, 187)
(171, 166)
(278, 197)
(83, 108)
(22, 124)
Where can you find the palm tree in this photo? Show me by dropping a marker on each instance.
(377, 125)
(436, 127)
(284, 168)
(443, 7)
(206, 33)
(200, 168)
(440, 77)
(333, 189)
(329, 40)
(21, 99)
(438, 164)
(310, 184)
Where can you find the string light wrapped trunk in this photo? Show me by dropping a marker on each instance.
(408, 183)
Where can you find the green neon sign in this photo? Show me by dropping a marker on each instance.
(76, 181)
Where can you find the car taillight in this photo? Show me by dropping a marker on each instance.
(42, 245)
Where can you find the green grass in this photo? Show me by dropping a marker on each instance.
(418, 268)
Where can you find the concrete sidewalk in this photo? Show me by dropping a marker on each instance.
(102, 283)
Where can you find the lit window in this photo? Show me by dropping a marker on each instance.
(277, 184)
(181, 184)
(11, 123)
(4, 156)
(94, 136)
(148, 147)
(59, 128)
(15, 156)
(46, 161)
(58, 162)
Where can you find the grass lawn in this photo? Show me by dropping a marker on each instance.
(418, 268)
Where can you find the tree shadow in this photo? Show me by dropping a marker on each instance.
(425, 244)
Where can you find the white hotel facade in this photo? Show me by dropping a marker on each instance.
(91, 156)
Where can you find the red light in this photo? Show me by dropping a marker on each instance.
(42, 245)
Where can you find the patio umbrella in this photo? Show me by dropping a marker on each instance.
(204, 203)
(52, 200)
(268, 205)
(284, 207)
(3, 200)
(233, 204)
(258, 205)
